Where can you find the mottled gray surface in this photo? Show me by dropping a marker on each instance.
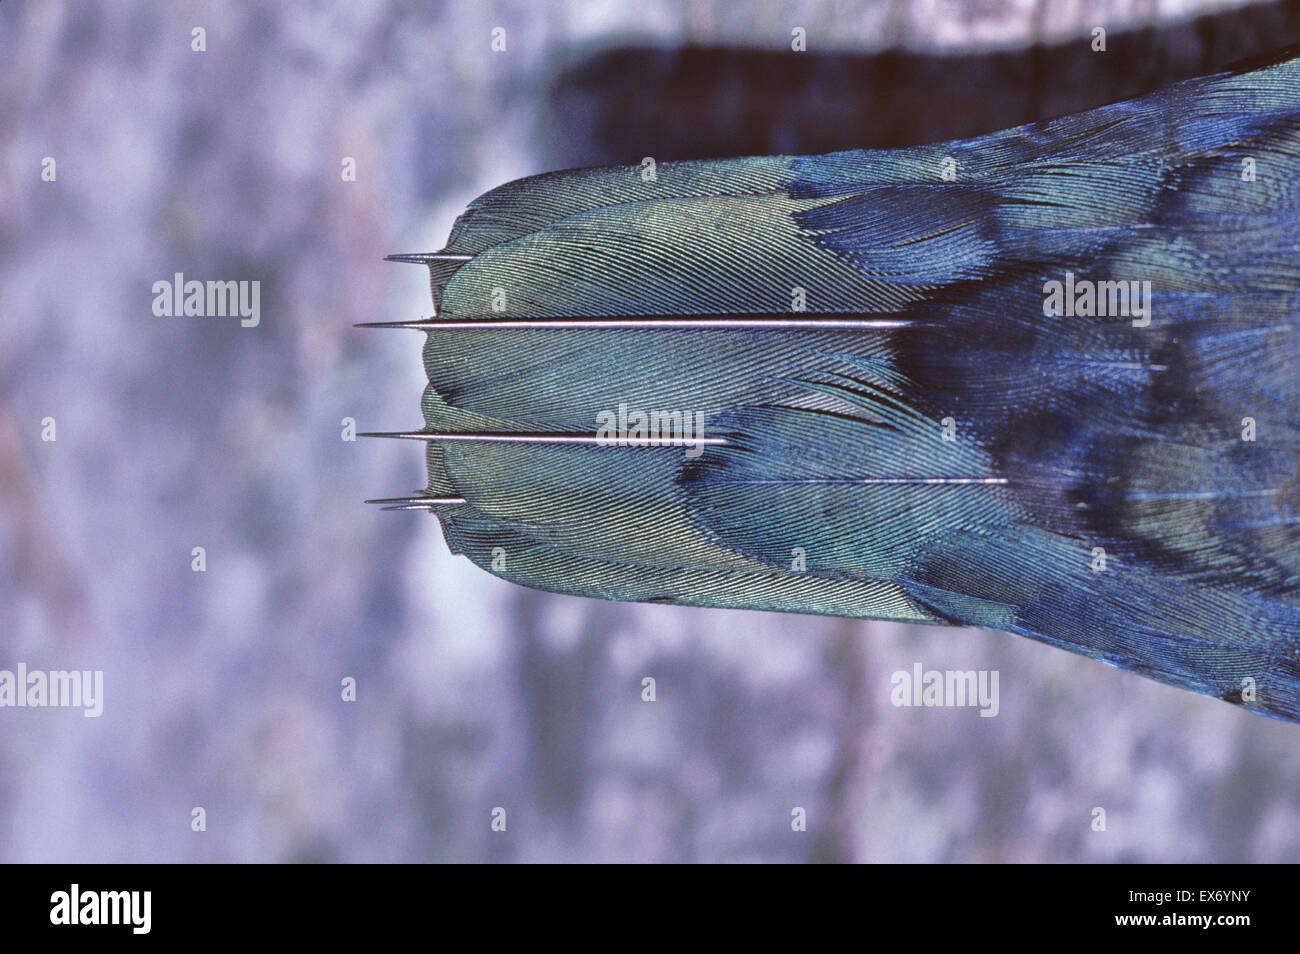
(222, 687)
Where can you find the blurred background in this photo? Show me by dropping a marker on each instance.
(222, 687)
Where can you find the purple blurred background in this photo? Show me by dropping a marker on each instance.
(222, 688)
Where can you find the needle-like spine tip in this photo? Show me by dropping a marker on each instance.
(428, 258)
(418, 502)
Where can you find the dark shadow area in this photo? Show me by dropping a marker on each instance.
(710, 102)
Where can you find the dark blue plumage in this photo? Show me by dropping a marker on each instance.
(917, 411)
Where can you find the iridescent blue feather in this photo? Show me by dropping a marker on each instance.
(1122, 488)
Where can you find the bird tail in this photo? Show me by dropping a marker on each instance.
(1041, 381)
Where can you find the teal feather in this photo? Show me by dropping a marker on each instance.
(962, 461)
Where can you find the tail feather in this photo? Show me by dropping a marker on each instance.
(1070, 410)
